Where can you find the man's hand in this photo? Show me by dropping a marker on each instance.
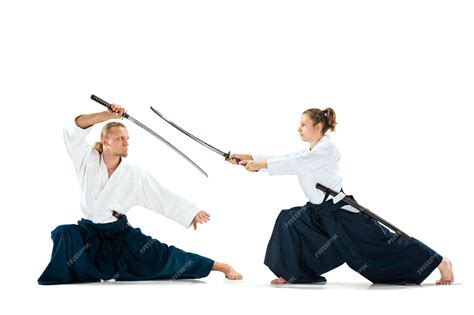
(116, 112)
(201, 217)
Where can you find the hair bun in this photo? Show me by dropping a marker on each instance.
(326, 116)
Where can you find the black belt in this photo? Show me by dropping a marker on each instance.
(117, 215)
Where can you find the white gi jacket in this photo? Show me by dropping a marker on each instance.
(319, 165)
(127, 186)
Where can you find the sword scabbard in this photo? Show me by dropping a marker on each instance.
(354, 204)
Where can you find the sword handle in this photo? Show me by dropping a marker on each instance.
(227, 157)
(106, 104)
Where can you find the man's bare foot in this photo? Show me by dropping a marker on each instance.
(229, 272)
(446, 270)
(279, 281)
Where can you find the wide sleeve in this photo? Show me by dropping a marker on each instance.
(76, 144)
(157, 198)
(267, 157)
(263, 157)
(306, 161)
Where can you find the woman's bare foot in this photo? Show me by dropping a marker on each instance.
(229, 272)
(279, 281)
(446, 270)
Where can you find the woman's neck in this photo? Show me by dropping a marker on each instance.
(313, 143)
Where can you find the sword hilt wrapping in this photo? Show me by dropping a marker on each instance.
(237, 160)
(227, 157)
(106, 104)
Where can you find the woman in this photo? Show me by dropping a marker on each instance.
(311, 240)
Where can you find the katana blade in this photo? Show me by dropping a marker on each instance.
(351, 202)
(153, 133)
(207, 145)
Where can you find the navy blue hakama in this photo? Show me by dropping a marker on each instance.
(311, 240)
(90, 252)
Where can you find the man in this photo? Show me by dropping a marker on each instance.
(103, 245)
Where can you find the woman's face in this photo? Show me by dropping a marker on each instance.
(308, 132)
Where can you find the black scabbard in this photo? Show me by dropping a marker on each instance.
(354, 204)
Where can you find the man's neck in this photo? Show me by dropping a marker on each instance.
(111, 162)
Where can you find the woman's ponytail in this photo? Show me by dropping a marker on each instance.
(326, 117)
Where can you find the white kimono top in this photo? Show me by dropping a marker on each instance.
(127, 186)
(319, 165)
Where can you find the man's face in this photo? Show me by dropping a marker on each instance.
(117, 142)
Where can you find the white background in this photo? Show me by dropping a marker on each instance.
(238, 74)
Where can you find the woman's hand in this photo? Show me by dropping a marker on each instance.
(253, 166)
(202, 217)
(235, 158)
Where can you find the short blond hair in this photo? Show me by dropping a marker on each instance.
(106, 130)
